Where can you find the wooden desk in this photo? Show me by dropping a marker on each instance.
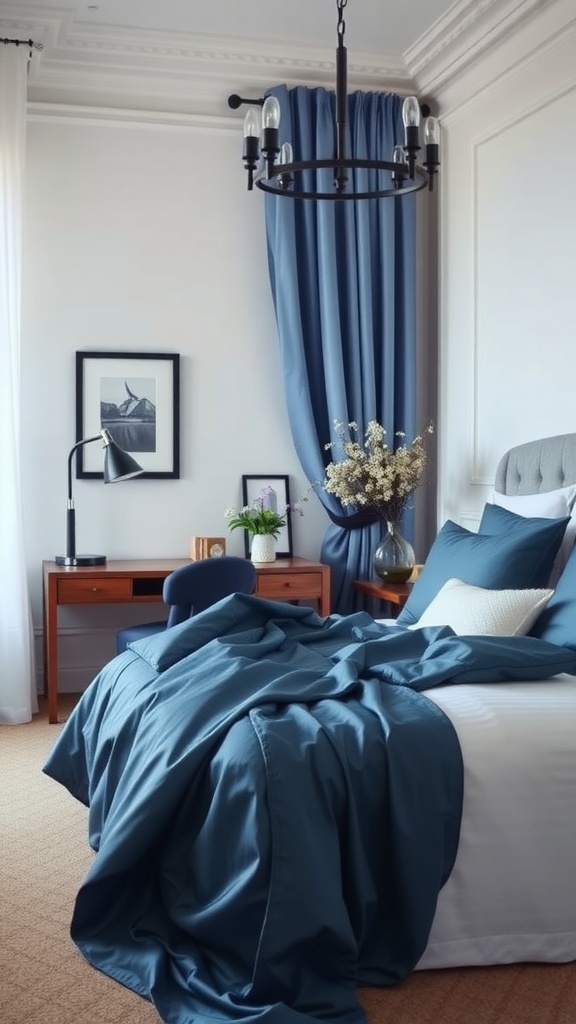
(396, 593)
(141, 580)
(294, 579)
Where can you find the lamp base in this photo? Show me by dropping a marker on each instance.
(80, 560)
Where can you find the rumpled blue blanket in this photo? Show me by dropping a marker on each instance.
(273, 805)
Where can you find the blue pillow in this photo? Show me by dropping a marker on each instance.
(516, 558)
(496, 519)
(557, 623)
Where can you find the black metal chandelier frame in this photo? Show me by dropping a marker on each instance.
(277, 176)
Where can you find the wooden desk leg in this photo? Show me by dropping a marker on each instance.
(325, 601)
(51, 647)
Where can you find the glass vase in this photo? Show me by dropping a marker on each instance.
(263, 548)
(394, 557)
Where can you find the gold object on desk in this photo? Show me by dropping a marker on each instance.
(207, 547)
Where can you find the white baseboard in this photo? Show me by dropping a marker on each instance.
(82, 653)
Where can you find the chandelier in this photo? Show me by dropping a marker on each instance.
(271, 166)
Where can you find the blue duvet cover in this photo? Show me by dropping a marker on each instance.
(273, 805)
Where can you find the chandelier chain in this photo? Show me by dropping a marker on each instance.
(341, 26)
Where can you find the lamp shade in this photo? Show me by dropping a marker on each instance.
(118, 464)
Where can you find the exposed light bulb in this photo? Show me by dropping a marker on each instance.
(399, 164)
(411, 112)
(431, 131)
(271, 113)
(252, 123)
(285, 178)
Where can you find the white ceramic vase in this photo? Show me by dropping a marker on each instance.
(263, 548)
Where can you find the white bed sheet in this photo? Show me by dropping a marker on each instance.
(512, 893)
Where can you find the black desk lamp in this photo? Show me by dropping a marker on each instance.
(118, 465)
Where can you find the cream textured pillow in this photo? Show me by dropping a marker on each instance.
(474, 611)
(546, 505)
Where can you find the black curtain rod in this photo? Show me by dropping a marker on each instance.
(23, 42)
(236, 101)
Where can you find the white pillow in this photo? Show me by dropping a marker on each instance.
(548, 505)
(474, 611)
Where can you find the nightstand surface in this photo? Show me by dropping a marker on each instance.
(396, 593)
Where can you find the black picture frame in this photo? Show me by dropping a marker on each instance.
(251, 489)
(136, 396)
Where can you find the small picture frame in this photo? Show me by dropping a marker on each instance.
(135, 395)
(251, 491)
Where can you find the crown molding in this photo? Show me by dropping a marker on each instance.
(131, 118)
(471, 30)
(188, 74)
(184, 73)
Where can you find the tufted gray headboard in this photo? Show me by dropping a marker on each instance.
(538, 466)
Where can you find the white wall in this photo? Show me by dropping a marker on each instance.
(142, 238)
(508, 305)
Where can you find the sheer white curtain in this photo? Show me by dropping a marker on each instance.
(17, 689)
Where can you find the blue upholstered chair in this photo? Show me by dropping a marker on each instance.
(191, 589)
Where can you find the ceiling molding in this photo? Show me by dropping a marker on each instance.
(468, 30)
(185, 74)
(180, 72)
(105, 116)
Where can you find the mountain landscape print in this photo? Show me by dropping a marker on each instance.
(128, 411)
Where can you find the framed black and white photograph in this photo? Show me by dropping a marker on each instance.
(135, 395)
(277, 497)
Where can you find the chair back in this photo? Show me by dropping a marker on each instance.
(196, 586)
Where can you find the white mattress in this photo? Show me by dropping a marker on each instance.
(512, 893)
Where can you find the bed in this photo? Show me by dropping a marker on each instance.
(284, 807)
(511, 896)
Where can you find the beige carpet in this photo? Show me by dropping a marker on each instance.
(44, 980)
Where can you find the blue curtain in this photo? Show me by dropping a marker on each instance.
(343, 283)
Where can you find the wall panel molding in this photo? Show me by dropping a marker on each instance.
(503, 372)
(507, 309)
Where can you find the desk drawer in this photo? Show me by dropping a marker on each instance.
(286, 586)
(92, 589)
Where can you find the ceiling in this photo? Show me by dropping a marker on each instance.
(183, 57)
